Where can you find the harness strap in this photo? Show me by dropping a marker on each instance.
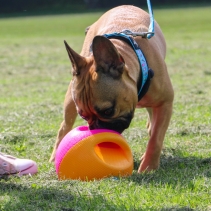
(126, 35)
(146, 73)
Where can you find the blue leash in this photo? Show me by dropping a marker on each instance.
(151, 30)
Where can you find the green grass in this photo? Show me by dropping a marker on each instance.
(34, 75)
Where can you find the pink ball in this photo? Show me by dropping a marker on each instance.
(93, 154)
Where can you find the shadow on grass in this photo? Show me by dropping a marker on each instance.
(60, 196)
(178, 209)
(20, 197)
(175, 170)
(66, 196)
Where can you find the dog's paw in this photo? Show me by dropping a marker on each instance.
(148, 164)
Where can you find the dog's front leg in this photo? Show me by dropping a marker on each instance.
(70, 115)
(159, 118)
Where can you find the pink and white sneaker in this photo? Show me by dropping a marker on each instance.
(11, 165)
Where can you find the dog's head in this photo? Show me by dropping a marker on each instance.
(103, 92)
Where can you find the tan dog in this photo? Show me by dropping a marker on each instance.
(103, 89)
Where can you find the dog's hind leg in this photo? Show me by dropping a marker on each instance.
(70, 115)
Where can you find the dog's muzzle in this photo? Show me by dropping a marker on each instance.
(118, 125)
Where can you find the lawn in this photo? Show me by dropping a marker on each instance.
(34, 75)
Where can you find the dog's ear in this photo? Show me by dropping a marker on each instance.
(107, 57)
(77, 60)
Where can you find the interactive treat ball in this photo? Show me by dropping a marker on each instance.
(93, 154)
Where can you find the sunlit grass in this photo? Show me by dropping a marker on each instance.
(34, 75)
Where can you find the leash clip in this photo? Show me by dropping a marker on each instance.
(151, 30)
(135, 34)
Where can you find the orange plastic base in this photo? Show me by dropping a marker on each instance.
(97, 156)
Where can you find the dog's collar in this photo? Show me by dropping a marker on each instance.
(146, 72)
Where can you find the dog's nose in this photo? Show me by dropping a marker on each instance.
(116, 125)
(119, 124)
(108, 126)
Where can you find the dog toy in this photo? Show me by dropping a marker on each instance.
(93, 154)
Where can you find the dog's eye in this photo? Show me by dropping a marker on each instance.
(108, 112)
